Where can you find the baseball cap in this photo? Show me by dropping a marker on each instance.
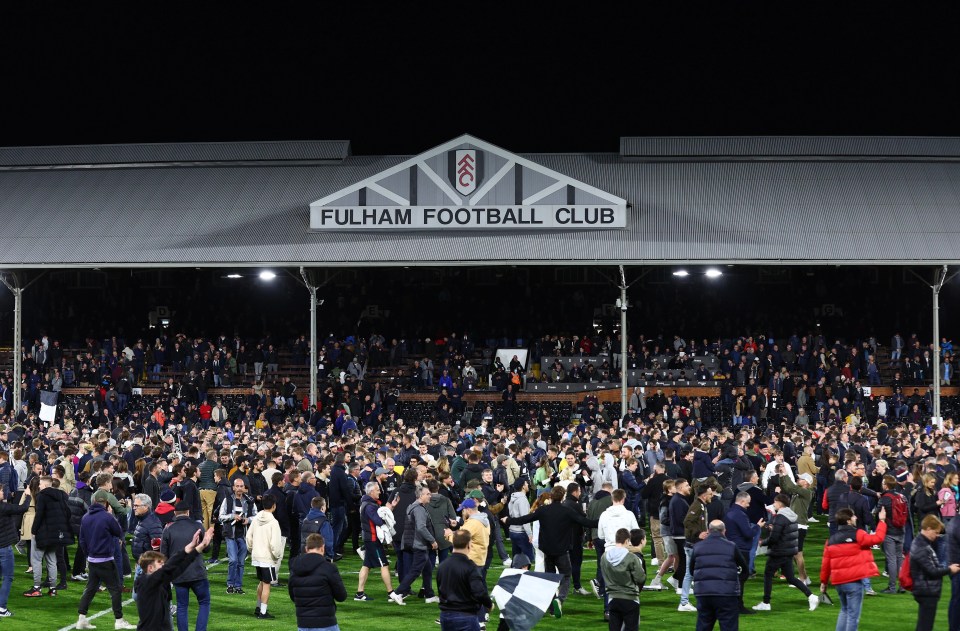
(467, 503)
(381, 471)
(807, 477)
(476, 494)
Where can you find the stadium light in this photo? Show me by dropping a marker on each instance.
(681, 273)
(267, 275)
(234, 276)
(713, 273)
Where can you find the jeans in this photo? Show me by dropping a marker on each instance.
(6, 570)
(521, 544)
(713, 609)
(202, 591)
(687, 576)
(338, 521)
(624, 614)
(599, 546)
(851, 602)
(456, 621)
(237, 553)
(753, 553)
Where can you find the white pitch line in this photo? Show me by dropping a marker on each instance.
(97, 615)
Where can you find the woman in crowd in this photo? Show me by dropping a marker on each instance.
(926, 571)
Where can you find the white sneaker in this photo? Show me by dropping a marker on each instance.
(806, 581)
(583, 591)
(673, 582)
(83, 623)
(814, 600)
(761, 607)
(123, 624)
(687, 607)
(397, 598)
(656, 583)
(654, 561)
(595, 586)
(507, 562)
(813, 520)
(432, 599)
(679, 591)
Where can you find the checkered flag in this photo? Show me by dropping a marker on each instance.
(523, 597)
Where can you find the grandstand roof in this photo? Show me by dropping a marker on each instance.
(763, 200)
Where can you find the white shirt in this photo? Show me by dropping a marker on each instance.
(613, 519)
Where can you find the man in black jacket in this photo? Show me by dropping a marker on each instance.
(462, 589)
(315, 587)
(783, 541)
(556, 525)
(714, 563)
(51, 528)
(9, 535)
(153, 585)
(341, 494)
(193, 577)
(148, 527)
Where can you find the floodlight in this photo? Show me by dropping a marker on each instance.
(267, 275)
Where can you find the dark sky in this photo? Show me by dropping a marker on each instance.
(403, 77)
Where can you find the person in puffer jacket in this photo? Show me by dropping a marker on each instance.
(926, 572)
(847, 560)
(783, 541)
(315, 586)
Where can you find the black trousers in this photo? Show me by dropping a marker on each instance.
(576, 561)
(624, 615)
(928, 612)
(711, 609)
(419, 568)
(105, 573)
(79, 561)
(681, 561)
(217, 541)
(559, 564)
(775, 563)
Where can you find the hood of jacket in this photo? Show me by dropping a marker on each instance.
(314, 513)
(746, 486)
(482, 518)
(437, 501)
(306, 489)
(264, 517)
(787, 512)
(306, 564)
(616, 554)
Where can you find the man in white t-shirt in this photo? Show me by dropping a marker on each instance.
(614, 518)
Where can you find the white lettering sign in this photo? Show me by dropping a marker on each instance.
(570, 217)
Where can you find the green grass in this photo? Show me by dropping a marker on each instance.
(657, 609)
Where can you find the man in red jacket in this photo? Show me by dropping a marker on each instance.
(847, 560)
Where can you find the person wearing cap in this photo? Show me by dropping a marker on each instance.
(193, 578)
(801, 496)
(463, 592)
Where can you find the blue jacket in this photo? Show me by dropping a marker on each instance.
(716, 563)
(99, 532)
(702, 465)
(340, 487)
(317, 522)
(678, 511)
(632, 486)
(740, 530)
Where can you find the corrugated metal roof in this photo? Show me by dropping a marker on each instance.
(681, 211)
(677, 147)
(79, 155)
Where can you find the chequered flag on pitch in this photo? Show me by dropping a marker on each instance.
(523, 597)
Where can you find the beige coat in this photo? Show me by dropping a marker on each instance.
(27, 525)
(263, 540)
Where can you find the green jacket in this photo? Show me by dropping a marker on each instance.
(623, 573)
(801, 498)
(596, 507)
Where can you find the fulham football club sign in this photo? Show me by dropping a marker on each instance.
(468, 184)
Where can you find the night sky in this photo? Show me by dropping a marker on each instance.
(401, 78)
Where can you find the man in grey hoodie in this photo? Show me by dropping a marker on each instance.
(521, 536)
(418, 537)
(624, 576)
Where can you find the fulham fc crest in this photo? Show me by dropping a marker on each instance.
(465, 170)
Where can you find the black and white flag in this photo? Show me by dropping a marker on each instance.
(523, 597)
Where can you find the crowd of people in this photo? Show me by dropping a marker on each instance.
(146, 503)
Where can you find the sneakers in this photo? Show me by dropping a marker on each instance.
(885, 574)
(265, 616)
(77, 577)
(656, 583)
(806, 581)
(120, 623)
(507, 562)
(870, 592)
(397, 598)
(763, 606)
(595, 586)
(814, 600)
(654, 561)
(557, 607)
(889, 590)
(583, 591)
(361, 597)
(231, 590)
(679, 591)
(5, 613)
(686, 607)
(813, 520)
(33, 592)
(52, 592)
(84, 623)
(432, 600)
(238, 590)
(673, 582)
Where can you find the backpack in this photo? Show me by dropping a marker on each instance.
(898, 510)
(500, 476)
(906, 581)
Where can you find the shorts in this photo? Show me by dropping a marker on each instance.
(802, 532)
(374, 555)
(669, 545)
(267, 574)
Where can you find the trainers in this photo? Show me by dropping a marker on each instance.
(507, 562)
(763, 607)
(582, 591)
(654, 561)
(656, 583)
(557, 607)
(5, 613)
(238, 590)
(686, 607)
(77, 577)
(595, 586)
(806, 581)
(33, 592)
(265, 616)
(673, 582)
(84, 623)
(870, 592)
(51, 592)
(361, 597)
(432, 600)
(813, 520)
(814, 600)
(889, 590)
(120, 623)
(885, 574)
(397, 598)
